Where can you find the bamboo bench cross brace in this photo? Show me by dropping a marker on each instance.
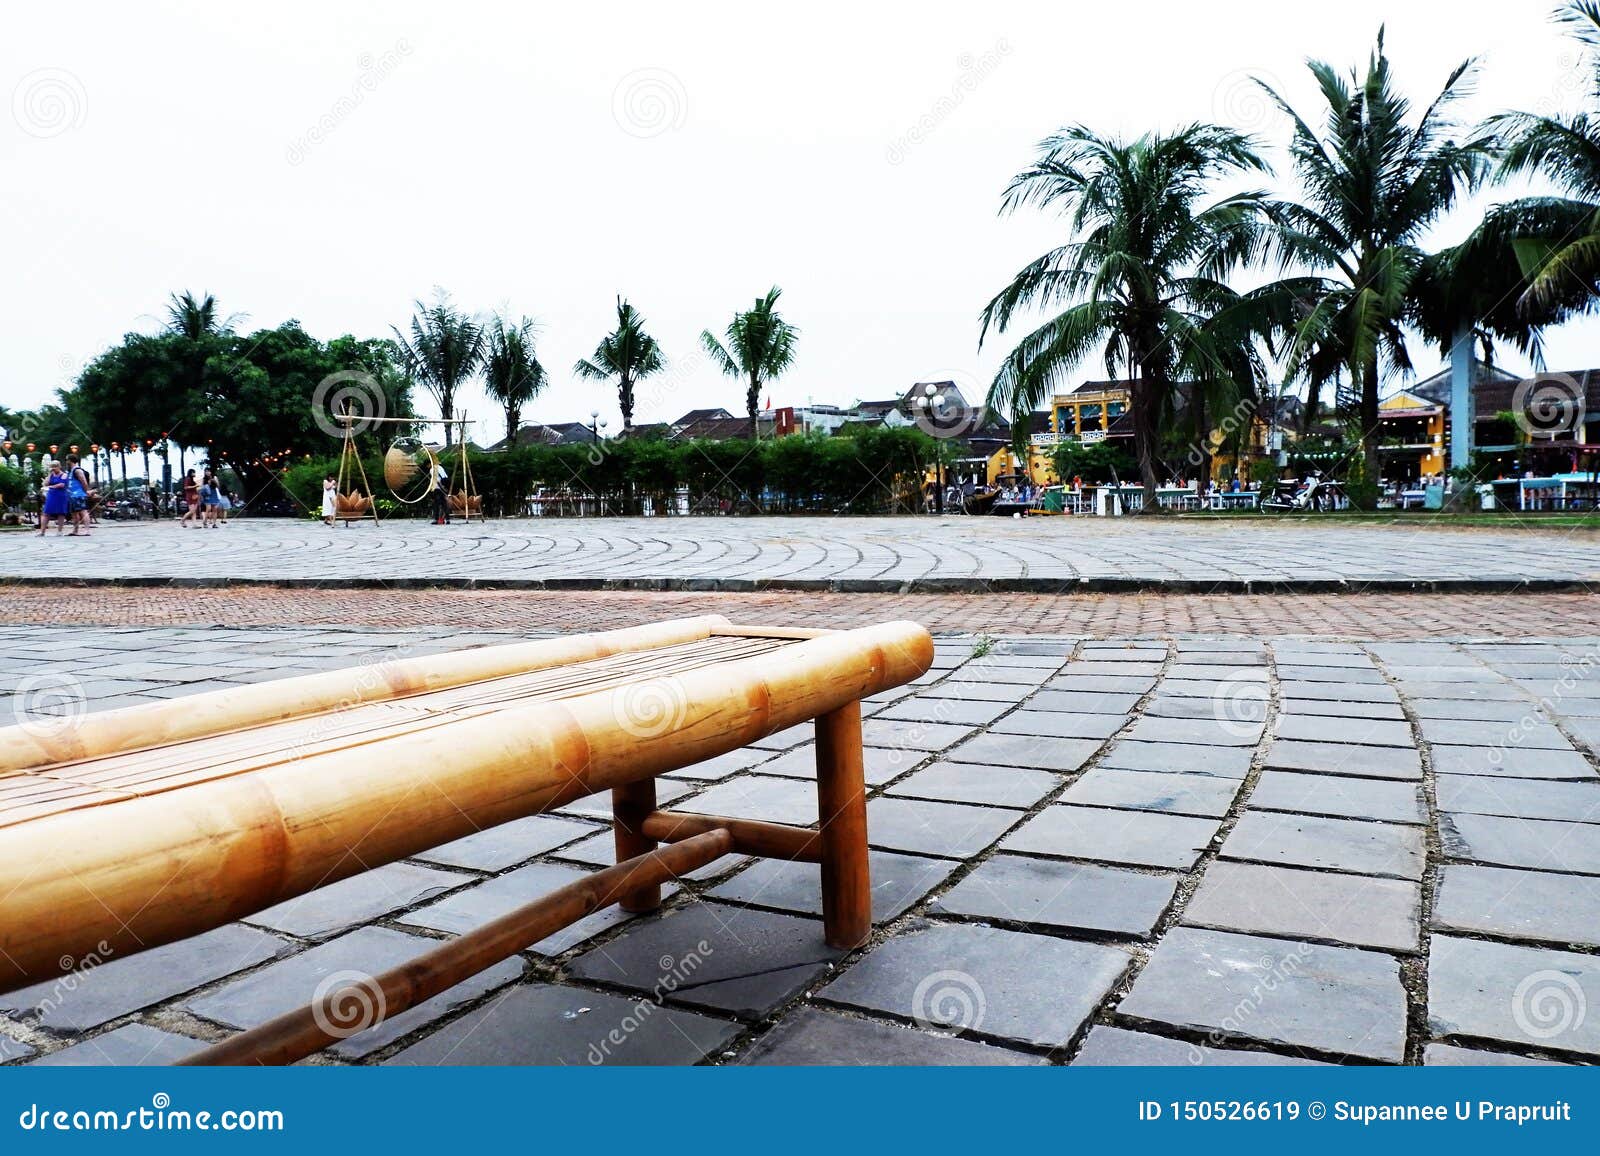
(138, 827)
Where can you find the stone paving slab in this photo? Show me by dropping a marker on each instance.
(1120, 1048)
(974, 783)
(1202, 795)
(812, 1037)
(550, 1024)
(1186, 758)
(898, 883)
(111, 990)
(1281, 901)
(1345, 759)
(1139, 838)
(1536, 843)
(1520, 995)
(1354, 845)
(1339, 796)
(1332, 999)
(1510, 904)
(130, 1046)
(1051, 894)
(983, 979)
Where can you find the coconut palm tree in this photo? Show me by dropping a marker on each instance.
(443, 351)
(512, 374)
(1557, 238)
(1373, 182)
(196, 319)
(1142, 274)
(759, 348)
(628, 354)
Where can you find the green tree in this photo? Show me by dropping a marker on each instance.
(759, 347)
(512, 374)
(628, 354)
(442, 352)
(1143, 271)
(1373, 182)
(1557, 238)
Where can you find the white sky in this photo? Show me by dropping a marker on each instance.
(486, 148)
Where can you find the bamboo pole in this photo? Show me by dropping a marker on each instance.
(750, 836)
(295, 1035)
(145, 871)
(842, 800)
(159, 724)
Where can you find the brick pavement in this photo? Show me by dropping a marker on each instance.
(1368, 616)
(1194, 850)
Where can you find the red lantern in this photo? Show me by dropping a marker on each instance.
(53, 450)
(30, 447)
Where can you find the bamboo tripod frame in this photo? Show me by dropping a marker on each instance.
(464, 489)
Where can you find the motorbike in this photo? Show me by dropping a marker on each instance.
(1292, 497)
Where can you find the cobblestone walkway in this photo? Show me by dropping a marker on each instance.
(1364, 616)
(1087, 851)
(1042, 553)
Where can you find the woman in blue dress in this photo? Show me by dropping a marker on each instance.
(55, 500)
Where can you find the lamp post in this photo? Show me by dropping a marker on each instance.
(928, 405)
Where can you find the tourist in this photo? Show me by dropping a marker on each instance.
(208, 499)
(79, 488)
(441, 485)
(56, 503)
(191, 499)
(330, 493)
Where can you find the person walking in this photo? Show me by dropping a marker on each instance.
(80, 488)
(209, 506)
(441, 485)
(330, 494)
(56, 503)
(191, 499)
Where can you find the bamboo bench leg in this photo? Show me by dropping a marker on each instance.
(631, 803)
(842, 799)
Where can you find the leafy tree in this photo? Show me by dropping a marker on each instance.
(1093, 462)
(443, 351)
(1557, 238)
(1373, 182)
(759, 348)
(1142, 273)
(512, 374)
(628, 354)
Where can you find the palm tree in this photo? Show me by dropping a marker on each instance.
(1373, 184)
(628, 354)
(760, 347)
(512, 374)
(1142, 274)
(194, 320)
(443, 351)
(1557, 239)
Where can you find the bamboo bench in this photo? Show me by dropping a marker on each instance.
(142, 826)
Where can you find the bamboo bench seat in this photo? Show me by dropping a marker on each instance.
(137, 827)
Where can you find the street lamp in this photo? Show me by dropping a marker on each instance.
(596, 425)
(929, 404)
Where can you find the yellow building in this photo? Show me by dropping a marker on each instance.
(1411, 437)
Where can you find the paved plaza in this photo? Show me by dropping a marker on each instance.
(853, 554)
(1152, 847)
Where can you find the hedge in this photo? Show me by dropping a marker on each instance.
(874, 471)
